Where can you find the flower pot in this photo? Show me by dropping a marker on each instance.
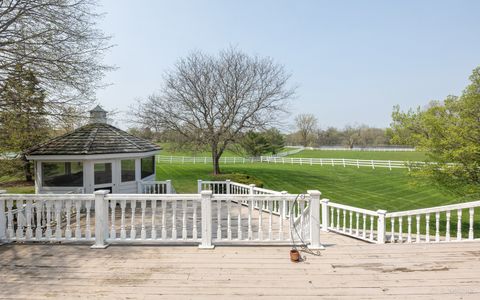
(294, 255)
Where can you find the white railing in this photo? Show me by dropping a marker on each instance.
(432, 224)
(235, 188)
(352, 221)
(157, 218)
(156, 187)
(436, 224)
(46, 217)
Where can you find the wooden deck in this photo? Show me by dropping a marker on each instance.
(346, 269)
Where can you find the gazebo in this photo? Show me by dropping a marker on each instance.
(95, 156)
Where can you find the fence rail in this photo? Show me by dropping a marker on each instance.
(344, 162)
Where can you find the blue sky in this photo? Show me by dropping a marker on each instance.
(352, 60)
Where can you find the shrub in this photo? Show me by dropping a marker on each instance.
(240, 178)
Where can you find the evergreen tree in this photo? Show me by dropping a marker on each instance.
(23, 121)
(275, 140)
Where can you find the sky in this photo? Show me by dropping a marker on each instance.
(351, 60)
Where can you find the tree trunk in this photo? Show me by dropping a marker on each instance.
(216, 160)
(27, 168)
(216, 165)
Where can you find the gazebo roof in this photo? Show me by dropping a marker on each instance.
(95, 138)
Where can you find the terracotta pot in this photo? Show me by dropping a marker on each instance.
(294, 255)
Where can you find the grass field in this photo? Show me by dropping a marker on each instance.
(364, 187)
(410, 156)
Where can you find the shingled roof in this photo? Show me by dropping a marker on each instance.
(95, 138)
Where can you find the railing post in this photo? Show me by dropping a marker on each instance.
(381, 226)
(199, 186)
(206, 198)
(252, 186)
(169, 186)
(284, 211)
(315, 219)
(101, 220)
(325, 214)
(139, 187)
(227, 186)
(3, 220)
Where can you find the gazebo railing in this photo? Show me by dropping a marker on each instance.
(156, 187)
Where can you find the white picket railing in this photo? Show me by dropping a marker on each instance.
(236, 216)
(352, 221)
(235, 188)
(156, 187)
(46, 217)
(432, 224)
(428, 222)
(157, 218)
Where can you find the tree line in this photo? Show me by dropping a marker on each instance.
(308, 133)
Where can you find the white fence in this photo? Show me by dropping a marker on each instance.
(203, 160)
(344, 162)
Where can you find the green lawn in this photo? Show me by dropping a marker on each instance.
(364, 187)
(410, 156)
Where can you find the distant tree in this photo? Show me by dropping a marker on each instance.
(352, 135)
(212, 100)
(254, 143)
(23, 123)
(306, 125)
(330, 137)
(450, 133)
(144, 133)
(275, 140)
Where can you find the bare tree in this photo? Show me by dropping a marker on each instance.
(306, 125)
(211, 100)
(60, 42)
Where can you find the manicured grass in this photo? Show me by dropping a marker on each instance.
(409, 156)
(364, 187)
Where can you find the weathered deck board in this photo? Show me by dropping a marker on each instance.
(346, 269)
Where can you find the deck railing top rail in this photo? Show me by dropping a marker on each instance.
(435, 209)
